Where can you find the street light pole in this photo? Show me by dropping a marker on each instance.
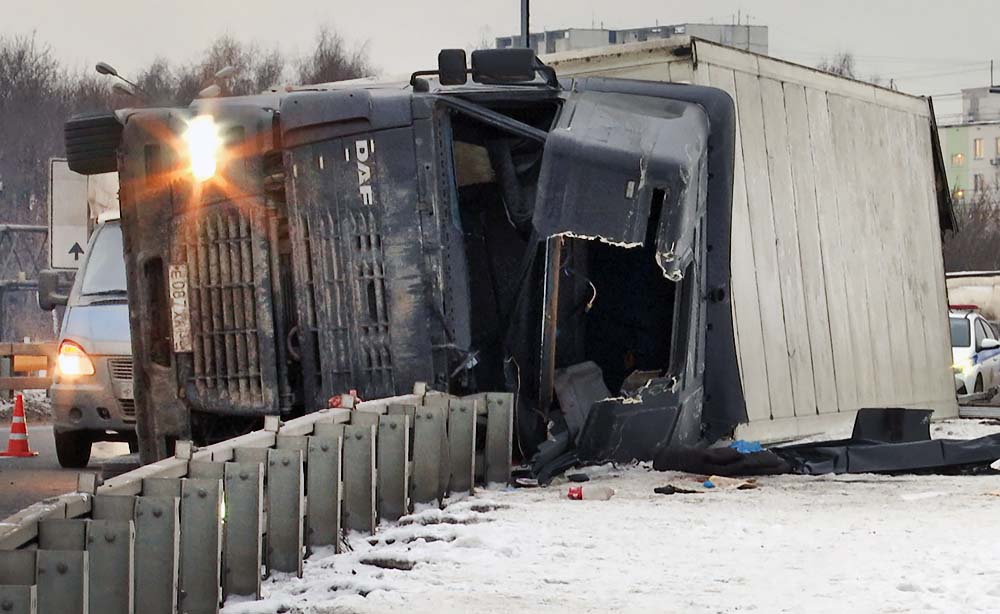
(524, 24)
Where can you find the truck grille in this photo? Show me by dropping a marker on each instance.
(224, 273)
(121, 368)
(350, 278)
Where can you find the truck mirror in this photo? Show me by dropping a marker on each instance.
(503, 65)
(452, 67)
(54, 287)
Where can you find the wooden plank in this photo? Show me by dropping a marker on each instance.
(25, 383)
(30, 364)
(786, 231)
(779, 374)
(810, 249)
(886, 192)
(832, 246)
(850, 206)
(911, 309)
(939, 378)
(49, 349)
(871, 162)
(746, 303)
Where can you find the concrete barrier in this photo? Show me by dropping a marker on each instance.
(182, 534)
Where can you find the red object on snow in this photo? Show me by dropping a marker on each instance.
(17, 443)
(599, 493)
(348, 400)
(963, 307)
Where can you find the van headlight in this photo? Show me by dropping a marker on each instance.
(73, 361)
(204, 143)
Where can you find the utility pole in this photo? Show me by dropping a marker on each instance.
(525, 35)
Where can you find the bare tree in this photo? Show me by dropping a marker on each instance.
(332, 61)
(973, 246)
(842, 64)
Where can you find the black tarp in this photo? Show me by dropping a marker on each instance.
(885, 440)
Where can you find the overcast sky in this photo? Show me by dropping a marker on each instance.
(929, 47)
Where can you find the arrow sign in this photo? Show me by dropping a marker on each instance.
(76, 250)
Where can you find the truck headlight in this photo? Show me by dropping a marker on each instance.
(73, 361)
(204, 144)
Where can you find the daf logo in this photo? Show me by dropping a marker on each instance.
(364, 150)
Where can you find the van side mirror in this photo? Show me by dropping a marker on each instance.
(989, 344)
(54, 287)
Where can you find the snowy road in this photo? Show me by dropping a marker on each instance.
(858, 543)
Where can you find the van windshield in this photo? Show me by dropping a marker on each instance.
(105, 269)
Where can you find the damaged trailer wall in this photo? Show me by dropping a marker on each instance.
(837, 275)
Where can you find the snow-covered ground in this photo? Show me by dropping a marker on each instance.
(853, 543)
(36, 405)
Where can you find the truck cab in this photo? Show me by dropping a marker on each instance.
(499, 234)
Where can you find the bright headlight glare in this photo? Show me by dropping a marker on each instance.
(204, 144)
(962, 366)
(73, 361)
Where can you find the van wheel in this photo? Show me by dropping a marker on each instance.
(92, 141)
(979, 384)
(73, 449)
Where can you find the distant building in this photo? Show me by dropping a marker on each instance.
(971, 148)
(979, 105)
(746, 37)
(971, 153)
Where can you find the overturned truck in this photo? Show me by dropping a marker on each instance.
(567, 241)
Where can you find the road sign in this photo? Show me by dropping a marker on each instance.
(75, 200)
(68, 216)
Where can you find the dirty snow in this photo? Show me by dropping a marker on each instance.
(36, 405)
(853, 543)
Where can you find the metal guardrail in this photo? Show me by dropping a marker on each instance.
(17, 358)
(183, 534)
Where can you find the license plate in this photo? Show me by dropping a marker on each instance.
(180, 317)
(125, 390)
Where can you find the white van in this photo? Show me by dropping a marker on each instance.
(92, 395)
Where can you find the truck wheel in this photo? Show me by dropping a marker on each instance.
(73, 449)
(979, 383)
(92, 141)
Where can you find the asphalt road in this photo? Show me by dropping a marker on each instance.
(24, 481)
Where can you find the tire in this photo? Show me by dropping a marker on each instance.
(73, 449)
(979, 383)
(92, 141)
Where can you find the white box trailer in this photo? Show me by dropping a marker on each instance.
(838, 206)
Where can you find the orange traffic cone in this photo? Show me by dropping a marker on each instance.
(17, 444)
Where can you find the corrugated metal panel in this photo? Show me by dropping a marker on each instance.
(838, 283)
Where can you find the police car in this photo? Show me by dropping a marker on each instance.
(975, 351)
